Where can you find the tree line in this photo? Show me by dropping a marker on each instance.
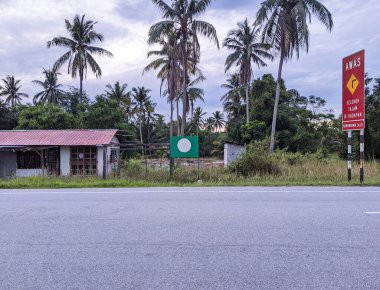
(253, 108)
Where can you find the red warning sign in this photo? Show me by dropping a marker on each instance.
(353, 107)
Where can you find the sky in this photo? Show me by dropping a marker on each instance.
(27, 25)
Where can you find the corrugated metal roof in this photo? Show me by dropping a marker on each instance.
(56, 137)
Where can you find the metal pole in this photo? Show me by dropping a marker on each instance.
(361, 156)
(171, 165)
(349, 155)
(198, 167)
(146, 166)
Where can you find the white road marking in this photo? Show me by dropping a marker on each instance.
(175, 190)
(372, 212)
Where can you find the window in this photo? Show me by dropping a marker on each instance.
(83, 161)
(28, 160)
(114, 156)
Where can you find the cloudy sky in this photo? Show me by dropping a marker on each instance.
(26, 26)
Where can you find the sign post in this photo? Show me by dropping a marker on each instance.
(353, 104)
(184, 147)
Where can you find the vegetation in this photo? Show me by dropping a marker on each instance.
(294, 170)
(180, 19)
(247, 51)
(52, 91)
(285, 29)
(310, 145)
(10, 89)
(80, 48)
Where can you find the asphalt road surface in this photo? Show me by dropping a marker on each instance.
(190, 238)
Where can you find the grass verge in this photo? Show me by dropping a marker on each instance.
(302, 172)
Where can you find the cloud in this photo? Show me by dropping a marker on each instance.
(27, 25)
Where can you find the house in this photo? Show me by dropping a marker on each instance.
(59, 152)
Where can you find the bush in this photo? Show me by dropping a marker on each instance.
(132, 167)
(255, 161)
(297, 158)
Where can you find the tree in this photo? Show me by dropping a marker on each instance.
(195, 93)
(51, 88)
(45, 116)
(209, 124)
(103, 114)
(218, 120)
(117, 92)
(197, 120)
(10, 90)
(70, 102)
(150, 116)
(8, 117)
(372, 130)
(142, 100)
(180, 17)
(168, 65)
(285, 27)
(247, 51)
(79, 56)
(232, 100)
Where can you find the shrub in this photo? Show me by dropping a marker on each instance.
(255, 160)
(131, 167)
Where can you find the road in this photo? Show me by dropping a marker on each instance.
(191, 238)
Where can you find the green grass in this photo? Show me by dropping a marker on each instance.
(302, 172)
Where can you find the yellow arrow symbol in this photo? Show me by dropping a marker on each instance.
(352, 84)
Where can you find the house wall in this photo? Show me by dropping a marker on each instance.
(8, 164)
(29, 172)
(100, 160)
(65, 160)
(231, 152)
(111, 168)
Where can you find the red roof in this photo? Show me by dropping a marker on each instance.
(56, 137)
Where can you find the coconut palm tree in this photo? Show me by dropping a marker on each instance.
(168, 65)
(150, 116)
(209, 124)
(247, 51)
(285, 27)
(120, 94)
(232, 100)
(51, 92)
(10, 89)
(180, 17)
(218, 120)
(128, 106)
(142, 104)
(197, 120)
(81, 49)
(195, 93)
(117, 92)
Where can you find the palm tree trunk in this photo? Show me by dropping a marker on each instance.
(275, 110)
(148, 135)
(184, 92)
(171, 117)
(178, 123)
(80, 86)
(247, 101)
(141, 139)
